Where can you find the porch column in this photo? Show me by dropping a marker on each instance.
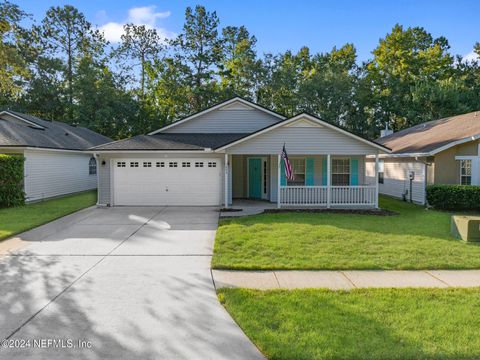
(329, 181)
(225, 177)
(278, 181)
(376, 180)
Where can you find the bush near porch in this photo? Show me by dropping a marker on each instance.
(415, 239)
(11, 180)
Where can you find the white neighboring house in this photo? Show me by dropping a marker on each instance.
(444, 151)
(232, 151)
(56, 160)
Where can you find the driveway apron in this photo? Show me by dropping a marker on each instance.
(119, 283)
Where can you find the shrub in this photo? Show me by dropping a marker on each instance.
(454, 197)
(11, 180)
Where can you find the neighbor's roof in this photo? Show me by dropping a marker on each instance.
(46, 134)
(434, 136)
(171, 141)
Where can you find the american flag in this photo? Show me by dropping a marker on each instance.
(288, 167)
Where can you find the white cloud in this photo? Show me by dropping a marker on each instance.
(144, 15)
(471, 56)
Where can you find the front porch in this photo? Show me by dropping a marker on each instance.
(321, 181)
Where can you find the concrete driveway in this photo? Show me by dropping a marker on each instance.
(121, 283)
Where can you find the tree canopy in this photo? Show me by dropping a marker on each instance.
(62, 68)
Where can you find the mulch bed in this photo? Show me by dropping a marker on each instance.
(376, 212)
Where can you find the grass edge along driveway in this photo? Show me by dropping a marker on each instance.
(415, 239)
(18, 219)
(359, 324)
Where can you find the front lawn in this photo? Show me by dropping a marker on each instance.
(414, 239)
(359, 324)
(22, 218)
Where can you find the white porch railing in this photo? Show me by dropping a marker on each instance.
(363, 195)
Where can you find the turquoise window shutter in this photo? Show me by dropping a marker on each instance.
(324, 172)
(309, 165)
(354, 172)
(283, 179)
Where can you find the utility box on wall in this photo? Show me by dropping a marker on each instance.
(466, 227)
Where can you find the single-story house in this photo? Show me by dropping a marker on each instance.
(444, 151)
(56, 160)
(233, 151)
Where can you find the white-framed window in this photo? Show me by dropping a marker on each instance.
(341, 172)
(147, 164)
(298, 169)
(185, 164)
(381, 171)
(465, 172)
(121, 164)
(133, 163)
(172, 164)
(199, 164)
(160, 164)
(212, 164)
(92, 166)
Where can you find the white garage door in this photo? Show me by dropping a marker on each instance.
(167, 181)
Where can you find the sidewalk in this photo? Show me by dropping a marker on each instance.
(346, 280)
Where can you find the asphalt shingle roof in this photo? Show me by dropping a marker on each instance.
(172, 141)
(54, 135)
(427, 137)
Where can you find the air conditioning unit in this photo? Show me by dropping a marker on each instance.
(466, 227)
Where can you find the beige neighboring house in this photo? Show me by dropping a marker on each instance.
(444, 151)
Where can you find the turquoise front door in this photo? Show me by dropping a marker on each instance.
(255, 178)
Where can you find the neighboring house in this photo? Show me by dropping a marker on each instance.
(232, 150)
(55, 159)
(444, 151)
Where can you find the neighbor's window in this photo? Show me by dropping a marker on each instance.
(466, 172)
(298, 168)
(92, 166)
(340, 172)
(381, 169)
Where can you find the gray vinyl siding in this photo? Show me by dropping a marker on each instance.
(303, 141)
(396, 180)
(273, 178)
(103, 182)
(55, 173)
(239, 178)
(226, 121)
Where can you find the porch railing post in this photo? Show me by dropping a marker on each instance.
(329, 181)
(226, 181)
(278, 182)
(376, 179)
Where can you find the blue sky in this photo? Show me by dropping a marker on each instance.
(280, 25)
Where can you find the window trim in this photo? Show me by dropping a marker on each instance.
(92, 166)
(297, 158)
(381, 174)
(462, 161)
(349, 170)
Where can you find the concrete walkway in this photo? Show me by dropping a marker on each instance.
(346, 280)
(127, 283)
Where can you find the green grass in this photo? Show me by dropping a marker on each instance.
(360, 324)
(414, 239)
(22, 218)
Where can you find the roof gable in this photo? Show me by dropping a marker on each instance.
(235, 115)
(304, 124)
